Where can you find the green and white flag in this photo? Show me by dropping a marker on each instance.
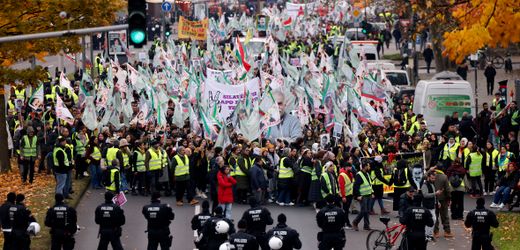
(36, 100)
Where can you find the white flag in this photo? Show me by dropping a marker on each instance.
(63, 112)
(64, 82)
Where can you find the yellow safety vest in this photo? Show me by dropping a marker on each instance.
(96, 153)
(306, 169)
(139, 163)
(232, 166)
(325, 176)
(126, 160)
(375, 180)
(503, 161)
(475, 167)
(514, 116)
(111, 155)
(20, 94)
(164, 159)
(285, 173)
(491, 158)
(113, 183)
(182, 168)
(247, 163)
(450, 153)
(80, 147)
(349, 185)
(155, 160)
(65, 157)
(366, 187)
(29, 149)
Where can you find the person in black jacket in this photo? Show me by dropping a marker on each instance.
(428, 57)
(257, 218)
(62, 220)
(20, 218)
(159, 217)
(110, 217)
(490, 74)
(210, 238)
(481, 220)
(406, 201)
(198, 220)
(331, 220)
(291, 238)
(5, 221)
(242, 240)
(429, 201)
(416, 218)
(257, 179)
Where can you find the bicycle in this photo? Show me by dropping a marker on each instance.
(386, 239)
(489, 56)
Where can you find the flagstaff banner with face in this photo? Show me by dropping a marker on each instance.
(220, 76)
(227, 96)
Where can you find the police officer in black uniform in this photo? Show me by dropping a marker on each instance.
(211, 239)
(289, 236)
(416, 218)
(110, 218)
(198, 220)
(62, 220)
(331, 220)
(159, 217)
(20, 218)
(242, 240)
(481, 219)
(257, 218)
(5, 222)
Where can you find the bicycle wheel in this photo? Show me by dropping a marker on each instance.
(498, 62)
(377, 240)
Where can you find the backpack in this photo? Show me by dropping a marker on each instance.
(400, 177)
(105, 178)
(455, 181)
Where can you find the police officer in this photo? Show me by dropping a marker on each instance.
(416, 218)
(110, 217)
(331, 220)
(62, 221)
(242, 240)
(481, 220)
(5, 222)
(211, 239)
(159, 217)
(20, 218)
(290, 238)
(257, 218)
(198, 220)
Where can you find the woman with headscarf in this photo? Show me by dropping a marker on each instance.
(304, 177)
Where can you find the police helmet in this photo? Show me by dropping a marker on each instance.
(275, 243)
(225, 246)
(222, 227)
(33, 229)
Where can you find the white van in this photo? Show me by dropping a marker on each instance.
(437, 98)
(380, 65)
(368, 47)
(398, 78)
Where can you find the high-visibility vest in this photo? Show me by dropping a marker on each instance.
(366, 187)
(349, 185)
(183, 168)
(285, 173)
(233, 166)
(375, 180)
(69, 148)
(65, 157)
(306, 169)
(139, 163)
(407, 184)
(412, 119)
(80, 147)
(20, 94)
(113, 183)
(450, 153)
(126, 160)
(98, 66)
(325, 176)
(164, 159)
(475, 167)
(514, 116)
(503, 161)
(247, 163)
(414, 128)
(12, 107)
(314, 175)
(491, 158)
(96, 153)
(29, 149)
(155, 160)
(111, 155)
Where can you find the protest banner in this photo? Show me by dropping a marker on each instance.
(195, 30)
(228, 96)
(218, 75)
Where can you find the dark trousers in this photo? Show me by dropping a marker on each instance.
(397, 197)
(416, 241)
(59, 242)
(154, 180)
(441, 213)
(81, 166)
(261, 238)
(27, 165)
(428, 66)
(476, 184)
(457, 205)
(489, 180)
(329, 241)
(140, 183)
(304, 184)
(112, 238)
(156, 239)
(490, 86)
(182, 187)
(363, 212)
(481, 242)
(346, 208)
(20, 241)
(8, 241)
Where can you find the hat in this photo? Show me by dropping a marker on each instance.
(411, 189)
(256, 151)
(154, 142)
(123, 143)
(378, 158)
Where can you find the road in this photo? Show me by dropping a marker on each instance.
(301, 219)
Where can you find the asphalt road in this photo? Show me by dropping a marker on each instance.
(301, 219)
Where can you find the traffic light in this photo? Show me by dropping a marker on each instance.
(366, 27)
(137, 22)
(167, 30)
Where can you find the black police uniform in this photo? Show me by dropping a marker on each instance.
(289, 236)
(416, 219)
(6, 224)
(481, 220)
(62, 220)
(198, 221)
(110, 218)
(159, 217)
(257, 219)
(243, 241)
(211, 240)
(331, 220)
(20, 218)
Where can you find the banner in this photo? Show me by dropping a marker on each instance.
(195, 30)
(218, 75)
(228, 96)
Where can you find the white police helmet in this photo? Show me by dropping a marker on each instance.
(33, 229)
(222, 227)
(225, 246)
(275, 243)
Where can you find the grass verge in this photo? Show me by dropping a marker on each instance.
(39, 196)
(393, 57)
(506, 236)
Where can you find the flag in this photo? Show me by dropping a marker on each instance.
(36, 100)
(287, 23)
(301, 12)
(223, 138)
(372, 89)
(64, 82)
(62, 112)
(240, 53)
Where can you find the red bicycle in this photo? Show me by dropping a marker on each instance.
(386, 239)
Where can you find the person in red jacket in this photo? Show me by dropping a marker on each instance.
(346, 184)
(225, 188)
